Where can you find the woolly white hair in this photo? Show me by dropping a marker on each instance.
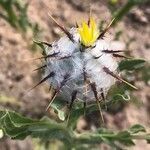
(81, 65)
(69, 62)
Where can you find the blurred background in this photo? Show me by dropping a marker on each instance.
(22, 21)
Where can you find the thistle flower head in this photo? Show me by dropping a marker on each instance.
(81, 72)
(88, 32)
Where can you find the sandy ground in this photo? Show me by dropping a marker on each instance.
(16, 66)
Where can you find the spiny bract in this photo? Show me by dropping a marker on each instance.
(81, 65)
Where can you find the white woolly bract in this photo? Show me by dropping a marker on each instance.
(72, 61)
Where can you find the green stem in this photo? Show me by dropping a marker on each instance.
(141, 137)
(97, 139)
(125, 9)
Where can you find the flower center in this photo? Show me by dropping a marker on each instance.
(88, 32)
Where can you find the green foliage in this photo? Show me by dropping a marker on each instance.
(118, 14)
(19, 127)
(139, 68)
(47, 145)
(58, 105)
(41, 45)
(15, 12)
(137, 128)
(145, 73)
(131, 64)
(78, 109)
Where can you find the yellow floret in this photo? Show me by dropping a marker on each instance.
(88, 33)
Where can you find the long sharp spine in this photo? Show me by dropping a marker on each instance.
(93, 87)
(58, 90)
(69, 35)
(52, 99)
(39, 68)
(103, 98)
(112, 51)
(44, 79)
(46, 43)
(118, 77)
(48, 56)
(106, 29)
(121, 56)
(73, 98)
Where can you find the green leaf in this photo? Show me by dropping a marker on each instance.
(104, 131)
(120, 97)
(18, 127)
(18, 19)
(146, 73)
(2, 117)
(2, 114)
(74, 116)
(120, 13)
(131, 64)
(10, 129)
(127, 142)
(125, 138)
(19, 120)
(40, 44)
(57, 105)
(137, 128)
(78, 110)
(123, 134)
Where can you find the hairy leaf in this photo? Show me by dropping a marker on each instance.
(137, 128)
(131, 64)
